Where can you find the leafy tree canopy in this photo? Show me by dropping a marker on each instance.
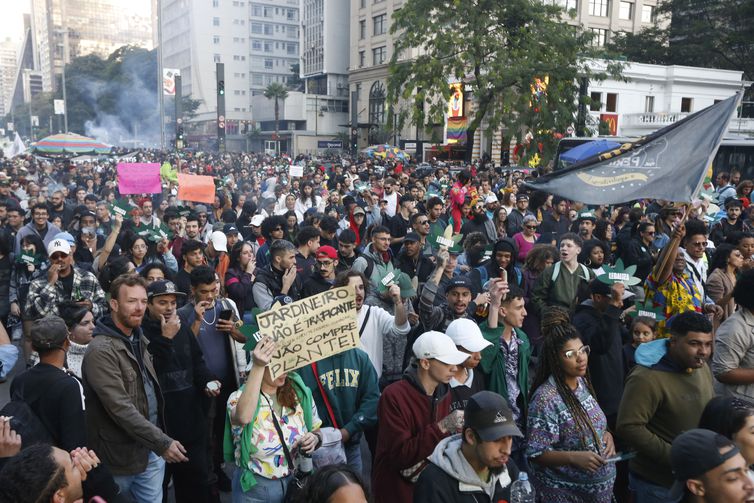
(498, 49)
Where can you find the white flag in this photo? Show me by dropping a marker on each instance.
(16, 148)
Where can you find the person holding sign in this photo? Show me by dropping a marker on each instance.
(270, 423)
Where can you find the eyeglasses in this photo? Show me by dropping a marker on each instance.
(326, 263)
(531, 226)
(572, 353)
(423, 222)
(650, 233)
(278, 229)
(700, 243)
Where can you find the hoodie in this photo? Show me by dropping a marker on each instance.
(450, 478)
(407, 434)
(660, 400)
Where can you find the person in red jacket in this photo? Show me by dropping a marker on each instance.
(413, 416)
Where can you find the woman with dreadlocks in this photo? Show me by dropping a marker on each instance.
(568, 442)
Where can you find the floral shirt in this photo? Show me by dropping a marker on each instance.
(677, 295)
(269, 459)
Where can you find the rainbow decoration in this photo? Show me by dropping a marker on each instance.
(457, 129)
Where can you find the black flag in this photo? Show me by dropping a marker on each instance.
(669, 164)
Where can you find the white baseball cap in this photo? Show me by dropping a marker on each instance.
(257, 220)
(219, 241)
(492, 198)
(466, 334)
(438, 346)
(58, 245)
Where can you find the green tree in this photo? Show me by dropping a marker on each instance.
(650, 45)
(276, 91)
(498, 49)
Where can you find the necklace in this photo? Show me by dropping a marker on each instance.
(213, 319)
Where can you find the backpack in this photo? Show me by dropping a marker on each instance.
(556, 272)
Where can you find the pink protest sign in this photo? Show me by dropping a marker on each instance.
(139, 178)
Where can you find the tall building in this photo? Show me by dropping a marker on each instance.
(65, 29)
(372, 48)
(258, 42)
(7, 74)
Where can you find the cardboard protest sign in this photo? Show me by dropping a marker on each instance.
(296, 170)
(139, 178)
(196, 188)
(310, 329)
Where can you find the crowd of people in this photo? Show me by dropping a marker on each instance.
(495, 342)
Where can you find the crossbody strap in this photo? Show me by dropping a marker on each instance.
(324, 395)
(287, 453)
(366, 319)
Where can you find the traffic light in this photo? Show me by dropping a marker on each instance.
(179, 135)
(354, 140)
(221, 87)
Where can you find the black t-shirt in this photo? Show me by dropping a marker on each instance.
(399, 227)
(68, 286)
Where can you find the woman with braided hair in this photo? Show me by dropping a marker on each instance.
(567, 438)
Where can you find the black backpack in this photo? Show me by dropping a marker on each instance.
(27, 424)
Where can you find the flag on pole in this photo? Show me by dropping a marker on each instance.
(669, 164)
(16, 148)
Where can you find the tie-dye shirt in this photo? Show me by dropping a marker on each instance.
(269, 459)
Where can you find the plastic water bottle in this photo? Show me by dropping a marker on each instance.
(522, 490)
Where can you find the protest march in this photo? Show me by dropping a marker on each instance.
(199, 327)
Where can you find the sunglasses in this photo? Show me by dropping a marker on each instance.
(572, 353)
(531, 226)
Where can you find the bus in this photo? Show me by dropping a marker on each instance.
(735, 153)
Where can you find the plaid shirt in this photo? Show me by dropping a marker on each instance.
(43, 297)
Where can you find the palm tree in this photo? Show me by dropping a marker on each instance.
(276, 91)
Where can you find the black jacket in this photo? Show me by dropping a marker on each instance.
(421, 267)
(604, 334)
(314, 285)
(437, 486)
(183, 375)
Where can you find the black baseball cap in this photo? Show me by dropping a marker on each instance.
(163, 287)
(412, 236)
(459, 282)
(230, 229)
(489, 415)
(694, 453)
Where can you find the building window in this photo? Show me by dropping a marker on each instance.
(600, 37)
(257, 28)
(216, 58)
(611, 103)
(292, 15)
(256, 10)
(626, 10)
(256, 45)
(362, 59)
(215, 39)
(268, 29)
(598, 7)
(687, 105)
(256, 79)
(649, 104)
(380, 24)
(565, 4)
(267, 12)
(379, 55)
(268, 47)
(596, 102)
(292, 49)
(647, 14)
(215, 21)
(363, 4)
(268, 63)
(215, 3)
(362, 29)
(377, 103)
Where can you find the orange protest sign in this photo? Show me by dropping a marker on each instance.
(196, 188)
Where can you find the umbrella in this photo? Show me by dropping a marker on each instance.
(70, 144)
(588, 149)
(386, 151)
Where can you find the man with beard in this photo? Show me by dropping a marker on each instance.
(479, 222)
(411, 261)
(477, 459)
(555, 223)
(184, 378)
(124, 402)
(515, 222)
(347, 254)
(58, 208)
(587, 222)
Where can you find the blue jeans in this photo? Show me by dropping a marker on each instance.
(647, 492)
(265, 491)
(353, 456)
(145, 487)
